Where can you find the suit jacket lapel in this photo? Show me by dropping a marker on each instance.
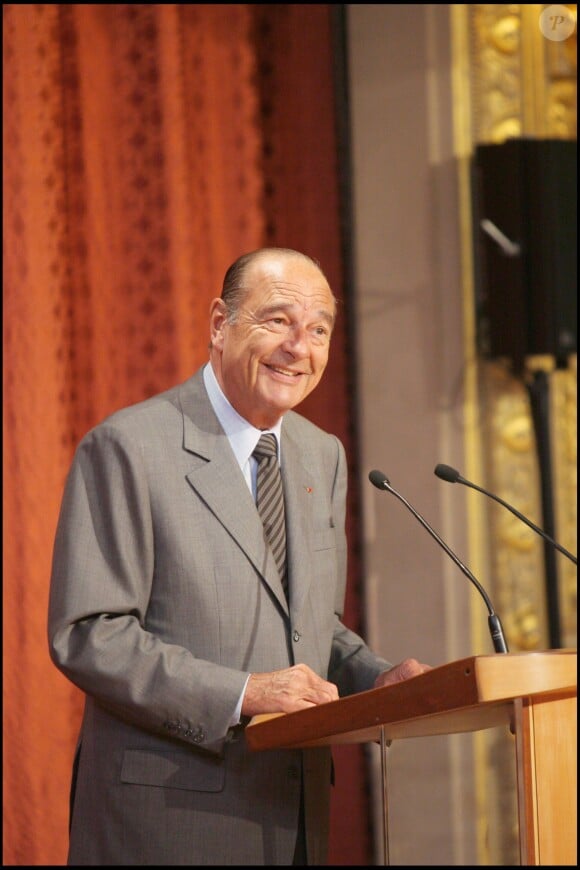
(217, 478)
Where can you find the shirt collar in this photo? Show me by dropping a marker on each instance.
(242, 436)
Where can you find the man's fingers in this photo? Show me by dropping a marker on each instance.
(403, 671)
(286, 690)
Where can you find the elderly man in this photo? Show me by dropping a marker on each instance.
(198, 579)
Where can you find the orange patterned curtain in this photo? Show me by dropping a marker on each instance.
(145, 147)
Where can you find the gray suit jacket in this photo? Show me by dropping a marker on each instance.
(163, 599)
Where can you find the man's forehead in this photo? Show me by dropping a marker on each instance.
(296, 290)
(300, 276)
(285, 295)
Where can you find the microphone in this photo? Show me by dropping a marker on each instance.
(445, 472)
(378, 479)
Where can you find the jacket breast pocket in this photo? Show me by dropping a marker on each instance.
(172, 769)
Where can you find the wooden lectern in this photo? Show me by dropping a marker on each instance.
(534, 694)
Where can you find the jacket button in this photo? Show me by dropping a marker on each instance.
(297, 636)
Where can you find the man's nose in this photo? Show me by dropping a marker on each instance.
(297, 340)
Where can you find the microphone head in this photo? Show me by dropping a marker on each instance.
(445, 472)
(378, 479)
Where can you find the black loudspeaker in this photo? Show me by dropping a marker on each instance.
(525, 229)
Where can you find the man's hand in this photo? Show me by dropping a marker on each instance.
(405, 670)
(286, 691)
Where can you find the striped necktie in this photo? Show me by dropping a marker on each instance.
(270, 500)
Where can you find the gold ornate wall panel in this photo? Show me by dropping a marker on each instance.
(564, 440)
(516, 69)
(521, 66)
(523, 83)
(522, 74)
(512, 472)
(496, 71)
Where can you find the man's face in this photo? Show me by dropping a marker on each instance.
(275, 352)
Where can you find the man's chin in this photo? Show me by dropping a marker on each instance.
(283, 401)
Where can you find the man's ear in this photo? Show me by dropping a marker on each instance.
(217, 322)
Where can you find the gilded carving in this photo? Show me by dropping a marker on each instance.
(564, 434)
(561, 74)
(495, 36)
(512, 473)
(522, 83)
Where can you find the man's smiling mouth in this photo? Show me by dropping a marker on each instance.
(287, 372)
